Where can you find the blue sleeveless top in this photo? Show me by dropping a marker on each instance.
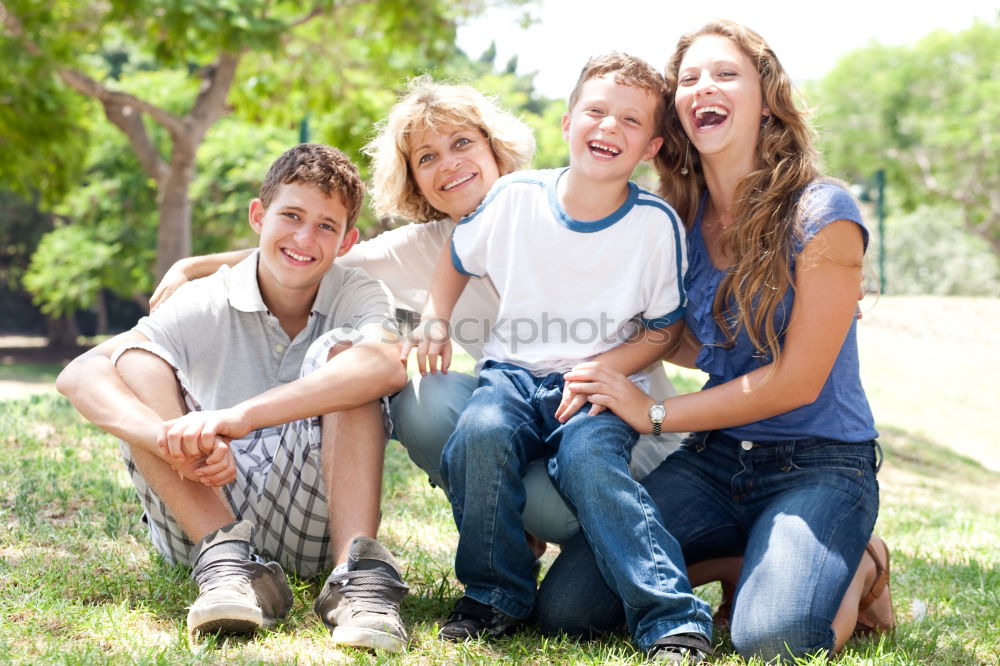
(841, 411)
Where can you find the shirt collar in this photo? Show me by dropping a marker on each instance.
(244, 291)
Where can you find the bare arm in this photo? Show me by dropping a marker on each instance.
(432, 339)
(638, 352)
(358, 375)
(192, 268)
(686, 352)
(829, 270)
(92, 384)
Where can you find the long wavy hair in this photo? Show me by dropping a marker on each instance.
(767, 208)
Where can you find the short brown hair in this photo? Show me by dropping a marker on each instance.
(630, 71)
(321, 166)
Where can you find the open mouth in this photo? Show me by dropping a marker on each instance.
(603, 150)
(709, 116)
(296, 256)
(458, 181)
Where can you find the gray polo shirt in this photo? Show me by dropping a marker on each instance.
(230, 348)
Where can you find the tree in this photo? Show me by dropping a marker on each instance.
(270, 59)
(927, 113)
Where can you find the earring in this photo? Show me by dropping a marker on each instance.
(687, 157)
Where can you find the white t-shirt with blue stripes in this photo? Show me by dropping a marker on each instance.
(569, 290)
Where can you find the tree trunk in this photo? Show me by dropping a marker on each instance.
(101, 308)
(61, 332)
(173, 236)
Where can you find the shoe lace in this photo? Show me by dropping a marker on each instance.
(371, 591)
(222, 573)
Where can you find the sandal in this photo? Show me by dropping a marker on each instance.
(876, 618)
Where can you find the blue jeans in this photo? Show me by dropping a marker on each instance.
(509, 421)
(424, 415)
(799, 512)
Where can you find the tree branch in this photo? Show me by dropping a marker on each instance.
(306, 18)
(88, 86)
(211, 101)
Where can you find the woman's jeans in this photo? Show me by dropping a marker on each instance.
(510, 421)
(424, 415)
(799, 512)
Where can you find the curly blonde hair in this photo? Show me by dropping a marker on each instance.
(767, 209)
(428, 105)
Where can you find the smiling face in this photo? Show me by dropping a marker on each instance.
(301, 232)
(719, 100)
(454, 167)
(610, 129)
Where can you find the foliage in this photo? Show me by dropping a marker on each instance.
(166, 74)
(280, 59)
(926, 113)
(929, 251)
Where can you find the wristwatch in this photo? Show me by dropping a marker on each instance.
(656, 414)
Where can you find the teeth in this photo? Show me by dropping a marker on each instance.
(602, 146)
(718, 110)
(457, 182)
(296, 256)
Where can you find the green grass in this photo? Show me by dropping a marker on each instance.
(80, 584)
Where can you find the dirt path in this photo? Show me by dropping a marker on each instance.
(27, 350)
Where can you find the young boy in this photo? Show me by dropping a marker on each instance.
(231, 450)
(577, 255)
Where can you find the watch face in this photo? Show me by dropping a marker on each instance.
(657, 412)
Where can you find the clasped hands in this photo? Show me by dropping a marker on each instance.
(197, 445)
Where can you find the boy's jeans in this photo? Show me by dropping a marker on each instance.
(509, 421)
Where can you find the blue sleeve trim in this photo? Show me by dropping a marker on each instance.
(457, 262)
(665, 320)
(648, 199)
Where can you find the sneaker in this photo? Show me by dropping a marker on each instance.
(237, 591)
(686, 649)
(361, 604)
(471, 619)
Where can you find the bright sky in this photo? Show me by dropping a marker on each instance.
(808, 37)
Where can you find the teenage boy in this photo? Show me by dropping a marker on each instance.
(578, 255)
(249, 412)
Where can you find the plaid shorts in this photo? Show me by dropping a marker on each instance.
(279, 482)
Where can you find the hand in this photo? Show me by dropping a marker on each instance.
(171, 281)
(606, 388)
(571, 403)
(215, 470)
(197, 434)
(433, 344)
(219, 468)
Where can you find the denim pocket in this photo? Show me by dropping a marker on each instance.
(855, 458)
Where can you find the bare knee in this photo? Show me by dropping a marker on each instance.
(152, 380)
